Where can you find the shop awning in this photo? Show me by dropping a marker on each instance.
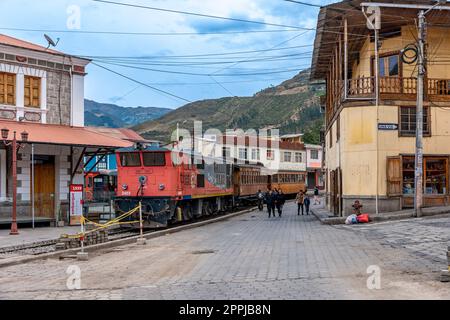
(62, 135)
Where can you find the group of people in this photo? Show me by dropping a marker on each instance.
(275, 199)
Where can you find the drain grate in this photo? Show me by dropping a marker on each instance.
(203, 252)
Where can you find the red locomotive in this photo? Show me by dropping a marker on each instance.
(176, 187)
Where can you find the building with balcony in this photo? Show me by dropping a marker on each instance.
(370, 146)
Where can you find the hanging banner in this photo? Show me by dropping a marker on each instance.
(76, 204)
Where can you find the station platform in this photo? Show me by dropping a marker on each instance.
(29, 235)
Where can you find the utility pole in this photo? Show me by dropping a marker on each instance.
(418, 183)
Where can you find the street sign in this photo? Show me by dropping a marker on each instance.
(388, 126)
(76, 203)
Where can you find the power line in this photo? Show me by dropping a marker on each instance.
(141, 83)
(215, 17)
(305, 3)
(147, 33)
(199, 74)
(200, 14)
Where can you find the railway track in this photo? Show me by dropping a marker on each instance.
(47, 246)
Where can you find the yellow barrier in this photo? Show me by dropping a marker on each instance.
(113, 222)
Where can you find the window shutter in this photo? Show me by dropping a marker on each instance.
(394, 176)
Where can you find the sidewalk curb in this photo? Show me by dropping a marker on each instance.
(375, 219)
(119, 242)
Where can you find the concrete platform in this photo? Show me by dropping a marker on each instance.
(27, 219)
(28, 235)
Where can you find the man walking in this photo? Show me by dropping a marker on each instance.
(280, 202)
(260, 197)
(299, 199)
(316, 196)
(306, 202)
(270, 202)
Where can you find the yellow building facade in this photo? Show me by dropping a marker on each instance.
(369, 148)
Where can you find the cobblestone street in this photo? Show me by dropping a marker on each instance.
(253, 257)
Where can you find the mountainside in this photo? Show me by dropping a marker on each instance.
(114, 116)
(293, 107)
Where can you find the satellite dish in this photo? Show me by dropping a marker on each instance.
(50, 41)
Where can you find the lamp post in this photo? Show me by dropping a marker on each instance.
(14, 147)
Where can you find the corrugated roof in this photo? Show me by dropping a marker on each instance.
(62, 135)
(119, 133)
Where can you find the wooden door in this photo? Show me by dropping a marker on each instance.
(44, 189)
(394, 176)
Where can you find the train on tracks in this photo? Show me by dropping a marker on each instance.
(180, 186)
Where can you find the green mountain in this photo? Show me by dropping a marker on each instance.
(292, 107)
(114, 116)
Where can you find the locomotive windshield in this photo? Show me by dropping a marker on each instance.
(154, 159)
(130, 159)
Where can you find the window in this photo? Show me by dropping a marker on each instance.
(243, 153)
(130, 159)
(255, 154)
(7, 88)
(435, 176)
(32, 92)
(298, 157)
(200, 181)
(314, 154)
(154, 159)
(408, 121)
(389, 66)
(270, 155)
(226, 152)
(287, 156)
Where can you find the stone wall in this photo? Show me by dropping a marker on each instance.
(56, 84)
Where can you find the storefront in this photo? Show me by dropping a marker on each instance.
(435, 175)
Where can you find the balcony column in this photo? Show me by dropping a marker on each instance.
(20, 94)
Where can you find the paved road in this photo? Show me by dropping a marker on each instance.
(253, 257)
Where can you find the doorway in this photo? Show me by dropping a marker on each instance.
(44, 186)
(312, 180)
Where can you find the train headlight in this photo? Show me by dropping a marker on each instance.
(124, 187)
(162, 186)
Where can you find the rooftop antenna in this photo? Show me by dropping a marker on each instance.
(50, 41)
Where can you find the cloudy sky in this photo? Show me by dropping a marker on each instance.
(191, 57)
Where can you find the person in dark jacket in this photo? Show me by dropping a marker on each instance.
(306, 202)
(280, 202)
(260, 198)
(270, 202)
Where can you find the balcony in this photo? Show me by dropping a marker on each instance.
(398, 88)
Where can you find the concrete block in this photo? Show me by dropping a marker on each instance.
(141, 241)
(82, 256)
(445, 276)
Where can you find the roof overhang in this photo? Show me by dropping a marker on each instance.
(330, 27)
(39, 133)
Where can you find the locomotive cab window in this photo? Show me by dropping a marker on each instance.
(130, 159)
(154, 159)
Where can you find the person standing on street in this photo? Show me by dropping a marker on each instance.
(299, 199)
(260, 197)
(316, 196)
(270, 202)
(280, 202)
(306, 202)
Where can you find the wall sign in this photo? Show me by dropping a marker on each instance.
(388, 126)
(76, 203)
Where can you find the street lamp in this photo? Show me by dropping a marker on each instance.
(15, 147)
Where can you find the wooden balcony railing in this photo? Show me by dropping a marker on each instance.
(405, 87)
